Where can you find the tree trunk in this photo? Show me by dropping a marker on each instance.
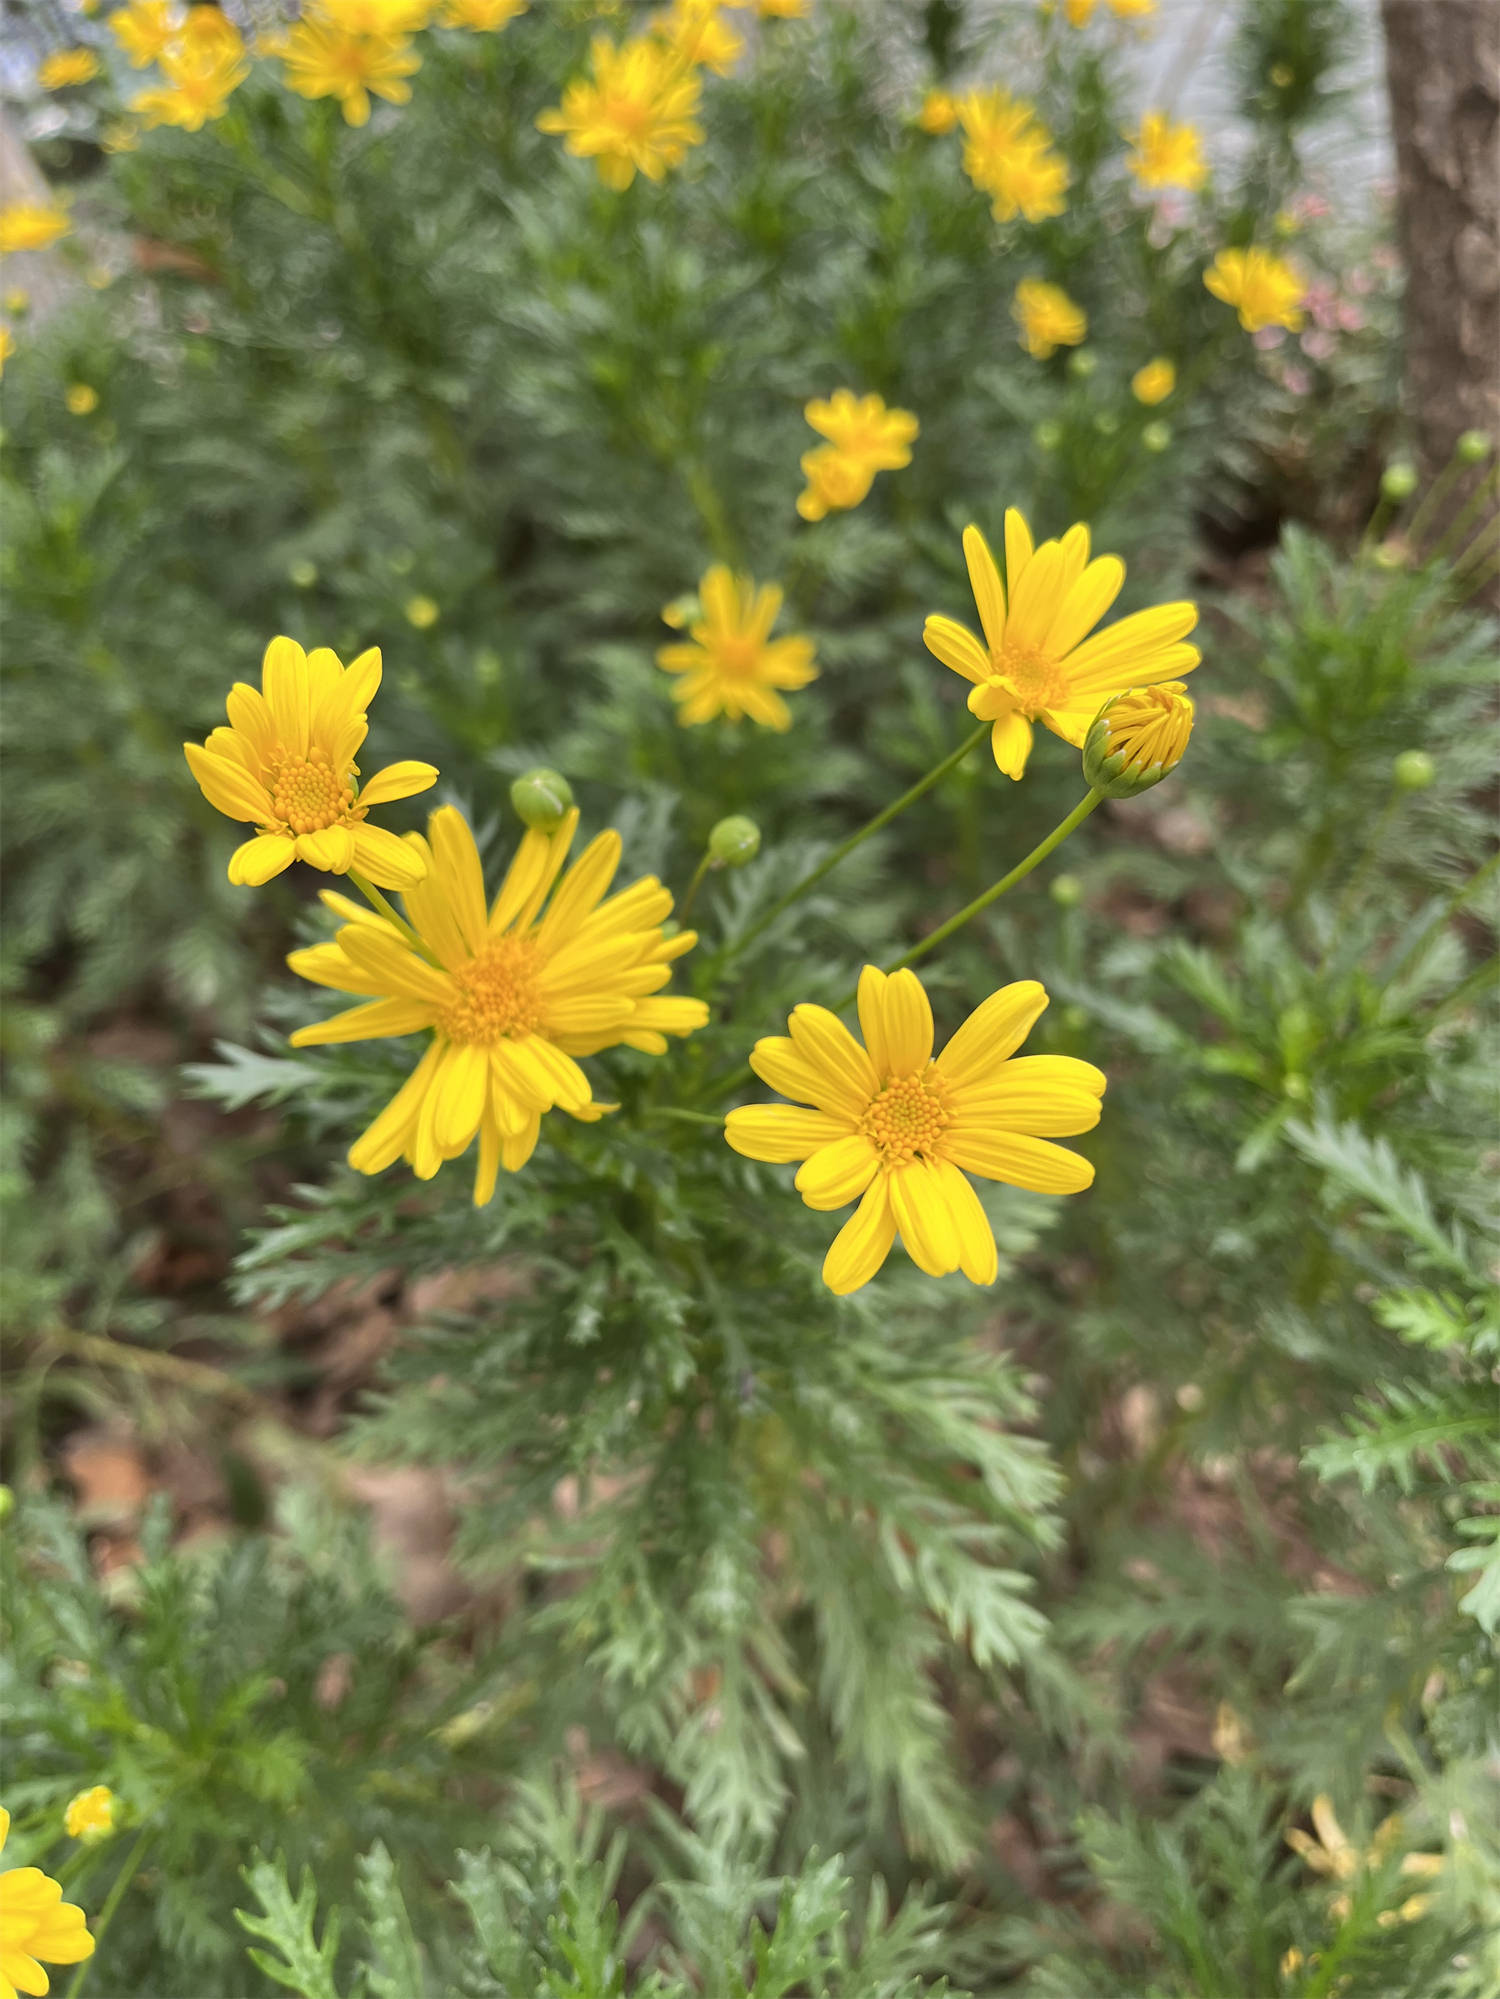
(1443, 70)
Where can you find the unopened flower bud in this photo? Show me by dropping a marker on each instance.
(734, 841)
(1157, 436)
(7, 1502)
(1106, 423)
(1398, 482)
(422, 612)
(1136, 738)
(1047, 435)
(1082, 363)
(91, 1815)
(1413, 770)
(303, 573)
(1474, 447)
(543, 798)
(1067, 891)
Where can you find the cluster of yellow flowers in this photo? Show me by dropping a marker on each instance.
(198, 52)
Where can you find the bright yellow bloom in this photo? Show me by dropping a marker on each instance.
(512, 997)
(864, 437)
(733, 666)
(1037, 662)
(483, 17)
(382, 20)
(1264, 290)
(91, 1814)
(1080, 12)
(1153, 383)
(323, 60)
(636, 115)
(1167, 155)
(146, 29)
(7, 346)
(1007, 154)
(209, 31)
(939, 113)
(1047, 317)
(66, 67)
(35, 1923)
(199, 83)
(835, 482)
(896, 1130)
(697, 33)
(81, 398)
(1136, 738)
(30, 225)
(286, 764)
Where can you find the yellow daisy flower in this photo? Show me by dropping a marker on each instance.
(209, 31)
(733, 666)
(1167, 155)
(1153, 383)
(91, 1814)
(1047, 317)
(835, 482)
(36, 1926)
(324, 60)
(636, 114)
(1037, 662)
(199, 83)
(7, 346)
(31, 225)
(1007, 154)
(697, 33)
(939, 113)
(1264, 289)
(67, 67)
(484, 17)
(864, 437)
(896, 1130)
(286, 764)
(510, 995)
(146, 29)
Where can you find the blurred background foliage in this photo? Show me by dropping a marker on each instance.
(717, 1635)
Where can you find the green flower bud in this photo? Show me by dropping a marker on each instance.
(303, 573)
(1398, 482)
(1106, 423)
(1136, 738)
(1082, 363)
(1474, 447)
(1157, 436)
(1067, 891)
(734, 841)
(543, 798)
(1047, 436)
(7, 1502)
(1075, 1018)
(1413, 770)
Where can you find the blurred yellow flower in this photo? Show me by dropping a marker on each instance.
(209, 30)
(835, 482)
(510, 995)
(31, 225)
(635, 115)
(286, 765)
(1167, 155)
(35, 1924)
(1080, 12)
(324, 60)
(1334, 1854)
(733, 666)
(781, 10)
(7, 346)
(484, 17)
(91, 1814)
(696, 33)
(1047, 317)
(199, 83)
(1263, 289)
(422, 612)
(864, 437)
(1008, 155)
(382, 20)
(81, 399)
(1153, 383)
(18, 300)
(893, 1128)
(1036, 662)
(66, 67)
(939, 112)
(146, 29)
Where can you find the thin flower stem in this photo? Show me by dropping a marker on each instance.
(693, 886)
(1459, 526)
(689, 1117)
(379, 904)
(1434, 497)
(842, 852)
(122, 1881)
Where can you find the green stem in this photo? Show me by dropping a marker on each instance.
(1459, 525)
(379, 904)
(112, 1902)
(1450, 908)
(1019, 872)
(689, 1117)
(693, 886)
(843, 851)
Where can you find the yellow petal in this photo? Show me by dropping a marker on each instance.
(984, 580)
(838, 1173)
(458, 876)
(258, 859)
(780, 1133)
(399, 780)
(1011, 740)
(908, 1024)
(227, 786)
(923, 1218)
(366, 1023)
(822, 1040)
(387, 861)
(1034, 1163)
(956, 647)
(401, 972)
(992, 1032)
(462, 1085)
(382, 1143)
(1085, 604)
(331, 850)
(1018, 546)
(863, 1243)
(283, 677)
(872, 984)
(978, 1258)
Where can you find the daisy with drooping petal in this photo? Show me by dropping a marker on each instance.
(1047, 317)
(31, 225)
(1263, 289)
(892, 1127)
(637, 114)
(65, 68)
(511, 992)
(36, 1927)
(286, 764)
(1167, 155)
(864, 437)
(1037, 662)
(1008, 154)
(733, 666)
(325, 60)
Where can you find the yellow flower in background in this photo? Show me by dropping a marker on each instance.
(209, 31)
(324, 60)
(18, 300)
(835, 482)
(864, 437)
(1047, 317)
(637, 114)
(733, 666)
(1037, 662)
(36, 1926)
(696, 33)
(286, 765)
(120, 137)
(67, 67)
(81, 399)
(422, 612)
(31, 225)
(483, 17)
(146, 29)
(1080, 12)
(7, 346)
(893, 1128)
(779, 10)
(91, 1814)
(199, 84)
(939, 112)
(1008, 155)
(511, 993)
(1153, 383)
(382, 20)
(1167, 155)
(1263, 289)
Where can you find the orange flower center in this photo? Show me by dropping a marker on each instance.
(737, 656)
(908, 1117)
(497, 994)
(306, 795)
(1033, 676)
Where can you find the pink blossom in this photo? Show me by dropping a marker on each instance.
(1360, 282)
(1298, 380)
(1268, 337)
(1318, 345)
(1350, 316)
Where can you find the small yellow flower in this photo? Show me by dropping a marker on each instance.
(482, 17)
(780, 10)
(31, 225)
(510, 995)
(637, 114)
(36, 1926)
(146, 29)
(199, 84)
(939, 113)
(382, 20)
(422, 612)
(91, 1814)
(897, 1130)
(1292, 1961)
(697, 34)
(81, 399)
(67, 67)
(286, 765)
(733, 666)
(324, 60)
(1167, 155)
(835, 482)
(209, 30)
(1047, 317)
(1080, 12)
(864, 437)
(7, 346)
(1007, 154)
(1136, 738)
(1037, 662)
(1153, 383)
(1263, 289)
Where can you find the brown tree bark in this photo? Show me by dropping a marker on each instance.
(1443, 72)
